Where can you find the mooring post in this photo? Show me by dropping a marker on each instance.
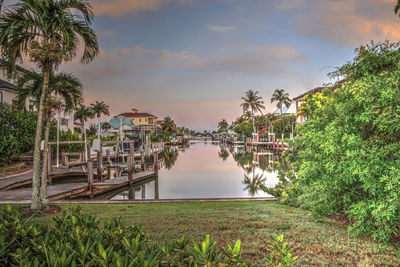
(100, 163)
(156, 191)
(156, 163)
(132, 152)
(130, 168)
(90, 176)
(144, 191)
(142, 162)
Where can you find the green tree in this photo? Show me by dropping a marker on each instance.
(106, 126)
(223, 126)
(83, 113)
(168, 125)
(348, 156)
(48, 32)
(282, 99)
(252, 103)
(62, 86)
(100, 108)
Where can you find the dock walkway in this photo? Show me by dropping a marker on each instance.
(61, 191)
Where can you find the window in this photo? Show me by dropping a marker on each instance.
(64, 122)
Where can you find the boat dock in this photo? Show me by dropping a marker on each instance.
(13, 188)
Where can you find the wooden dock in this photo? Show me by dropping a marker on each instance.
(61, 191)
(54, 192)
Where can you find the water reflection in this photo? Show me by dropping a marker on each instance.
(207, 170)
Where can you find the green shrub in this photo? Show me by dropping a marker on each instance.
(279, 253)
(77, 239)
(17, 132)
(347, 157)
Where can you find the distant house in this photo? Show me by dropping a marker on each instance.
(300, 119)
(144, 122)
(128, 128)
(286, 111)
(8, 95)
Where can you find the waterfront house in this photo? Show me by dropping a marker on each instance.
(144, 122)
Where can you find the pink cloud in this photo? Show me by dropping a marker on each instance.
(117, 8)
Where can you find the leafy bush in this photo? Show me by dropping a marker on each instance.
(78, 239)
(347, 157)
(279, 253)
(17, 132)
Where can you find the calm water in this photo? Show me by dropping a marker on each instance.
(207, 170)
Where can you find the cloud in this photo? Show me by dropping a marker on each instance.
(116, 8)
(349, 22)
(220, 29)
(256, 60)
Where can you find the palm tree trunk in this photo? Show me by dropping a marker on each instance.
(43, 186)
(282, 125)
(98, 125)
(36, 152)
(84, 140)
(1, 5)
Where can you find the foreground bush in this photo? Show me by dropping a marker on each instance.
(347, 158)
(81, 240)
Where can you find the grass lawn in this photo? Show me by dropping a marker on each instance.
(316, 243)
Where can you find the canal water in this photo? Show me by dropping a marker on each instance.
(206, 170)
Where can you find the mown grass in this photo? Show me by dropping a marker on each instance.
(325, 243)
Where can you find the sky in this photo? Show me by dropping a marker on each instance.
(193, 60)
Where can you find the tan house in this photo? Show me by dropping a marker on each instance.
(140, 118)
(145, 122)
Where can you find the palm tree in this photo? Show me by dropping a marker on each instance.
(252, 103)
(106, 126)
(48, 32)
(252, 184)
(62, 86)
(223, 126)
(83, 113)
(281, 98)
(168, 125)
(100, 108)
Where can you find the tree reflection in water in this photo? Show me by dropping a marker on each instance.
(223, 153)
(249, 161)
(170, 155)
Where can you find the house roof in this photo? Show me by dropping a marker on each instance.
(315, 90)
(7, 85)
(137, 115)
(19, 68)
(115, 123)
(285, 110)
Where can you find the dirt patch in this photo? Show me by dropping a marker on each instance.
(27, 212)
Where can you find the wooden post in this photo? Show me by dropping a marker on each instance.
(156, 191)
(88, 156)
(142, 162)
(144, 191)
(90, 175)
(100, 163)
(131, 193)
(156, 163)
(132, 153)
(130, 168)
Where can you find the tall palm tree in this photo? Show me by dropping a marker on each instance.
(83, 113)
(223, 126)
(63, 88)
(106, 126)
(168, 125)
(252, 103)
(282, 99)
(48, 32)
(100, 108)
